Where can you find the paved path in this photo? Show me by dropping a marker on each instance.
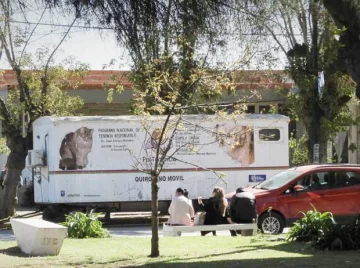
(6, 235)
(139, 231)
(145, 231)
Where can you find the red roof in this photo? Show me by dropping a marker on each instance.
(247, 79)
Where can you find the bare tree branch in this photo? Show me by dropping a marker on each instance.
(214, 104)
(9, 52)
(288, 24)
(167, 149)
(267, 27)
(31, 34)
(6, 7)
(44, 79)
(303, 21)
(218, 174)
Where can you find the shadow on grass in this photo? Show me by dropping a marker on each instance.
(90, 261)
(247, 249)
(13, 251)
(308, 262)
(306, 257)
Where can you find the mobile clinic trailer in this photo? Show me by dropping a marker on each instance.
(102, 161)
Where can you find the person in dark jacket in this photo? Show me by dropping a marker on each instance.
(243, 207)
(216, 210)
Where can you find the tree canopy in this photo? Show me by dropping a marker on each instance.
(306, 35)
(39, 91)
(346, 14)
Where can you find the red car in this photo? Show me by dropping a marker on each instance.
(334, 188)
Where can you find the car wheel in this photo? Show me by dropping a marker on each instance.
(271, 223)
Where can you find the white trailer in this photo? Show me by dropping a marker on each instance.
(93, 161)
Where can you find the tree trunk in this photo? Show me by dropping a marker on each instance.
(154, 217)
(9, 201)
(313, 60)
(323, 151)
(15, 164)
(314, 133)
(319, 137)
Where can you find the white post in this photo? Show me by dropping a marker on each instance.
(353, 135)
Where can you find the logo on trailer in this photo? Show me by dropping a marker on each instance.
(62, 193)
(257, 178)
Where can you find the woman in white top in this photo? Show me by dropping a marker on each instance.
(186, 194)
(181, 210)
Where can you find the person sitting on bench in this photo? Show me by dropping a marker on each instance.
(216, 210)
(243, 207)
(181, 210)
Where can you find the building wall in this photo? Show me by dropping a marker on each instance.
(106, 109)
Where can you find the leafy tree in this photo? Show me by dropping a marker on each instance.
(173, 106)
(170, 43)
(298, 151)
(346, 16)
(305, 34)
(39, 92)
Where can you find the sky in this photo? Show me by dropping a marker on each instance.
(93, 46)
(98, 47)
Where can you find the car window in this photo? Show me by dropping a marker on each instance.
(354, 178)
(278, 180)
(313, 182)
(345, 179)
(341, 179)
(317, 181)
(326, 180)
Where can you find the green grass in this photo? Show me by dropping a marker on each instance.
(220, 251)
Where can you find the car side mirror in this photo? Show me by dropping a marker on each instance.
(298, 188)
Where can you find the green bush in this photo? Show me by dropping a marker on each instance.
(298, 152)
(322, 230)
(312, 227)
(82, 225)
(342, 237)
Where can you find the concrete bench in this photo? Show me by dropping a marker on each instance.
(170, 230)
(38, 237)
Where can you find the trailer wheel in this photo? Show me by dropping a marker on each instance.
(107, 216)
(164, 207)
(53, 213)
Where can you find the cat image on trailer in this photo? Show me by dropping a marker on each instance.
(75, 148)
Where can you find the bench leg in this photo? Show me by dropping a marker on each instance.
(168, 234)
(172, 233)
(169, 231)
